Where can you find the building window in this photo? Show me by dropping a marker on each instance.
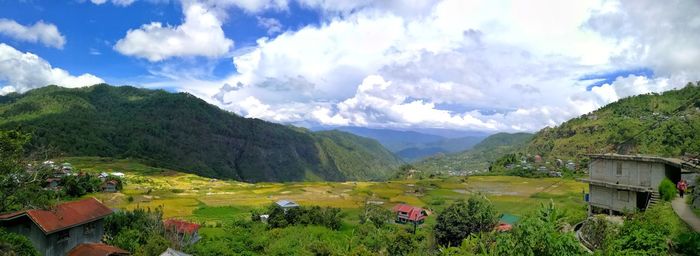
(619, 169)
(63, 235)
(89, 228)
(623, 195)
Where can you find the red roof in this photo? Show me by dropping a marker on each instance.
(502, 227)
(64, 215)
(181, 227)
(92, 249)
(414, 213)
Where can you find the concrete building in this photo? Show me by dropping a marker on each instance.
(619, 183)
(56, 231)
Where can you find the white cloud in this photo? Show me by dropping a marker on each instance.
(115, 2)
(199, 35)
(496, 65)
(20, 72)
(272, 25)
(40, 32)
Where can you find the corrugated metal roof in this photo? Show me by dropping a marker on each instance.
(181, 227)
(414, 213)
(64, 215)
(94, 249)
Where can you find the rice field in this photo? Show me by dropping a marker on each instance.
(201, 199)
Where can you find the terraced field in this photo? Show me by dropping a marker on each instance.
(206, 200)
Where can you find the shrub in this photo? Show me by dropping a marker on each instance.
(688, 243)
(667, 190)
(463, 218)
(15, 244)
(375, 214)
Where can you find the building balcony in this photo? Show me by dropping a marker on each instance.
(608, 184)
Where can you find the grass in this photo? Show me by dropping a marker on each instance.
(207, 200)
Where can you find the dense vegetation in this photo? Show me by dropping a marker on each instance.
(479, 157)
(182, 132)
(664, 124)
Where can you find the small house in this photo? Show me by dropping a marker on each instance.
(57, 231)
(173, 252)
(110, 186)
(184, 232)
(97, 249)
(409, 214)
(103, 176)
(53, 183)
(619, 183)
(506, 222)
(286, 204)
(118, 174)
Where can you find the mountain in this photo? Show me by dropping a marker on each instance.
(182, 132)
(477, 158)
(412, 146)
(666, 124)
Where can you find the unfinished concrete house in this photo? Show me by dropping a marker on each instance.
(619, 183)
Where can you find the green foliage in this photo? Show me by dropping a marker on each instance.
(182, 132)
(20, 186)
(599, 231)
(539, 235)
(140, 231)
(646, 233)
(80, 185)
(312, 215)
(667, 190)
(655, 124)
(12, 244)
(376, 215)
(462, 218)
(402, 243)
(688, 243)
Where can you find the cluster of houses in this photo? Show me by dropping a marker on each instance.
(539, 165)
(61, 171)
(76, 229)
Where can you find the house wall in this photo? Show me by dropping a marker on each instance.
(54, 247)
(644, 174)
(24, 226)
(614, 199)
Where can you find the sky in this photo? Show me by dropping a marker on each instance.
(402, 64)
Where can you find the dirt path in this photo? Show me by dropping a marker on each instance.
(683, 211)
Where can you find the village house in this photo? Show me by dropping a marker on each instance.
(68, 226)
(286, 204)
(409, 214)
(110, 186)
(53, 183)
(96, 249)
(186, 233)
(619, 183)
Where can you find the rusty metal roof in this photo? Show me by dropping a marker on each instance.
(63, 216)
(94, 249)
(180, 226)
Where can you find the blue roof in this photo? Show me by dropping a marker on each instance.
(286, 203)
(509, 219)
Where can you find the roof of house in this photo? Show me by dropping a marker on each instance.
(644, 158)
(414, 213)
(94, 249)
(286, 203)
(65, 215)
(508, 219)
(180, 226)
(173, 252)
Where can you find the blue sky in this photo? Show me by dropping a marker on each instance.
(465, 65)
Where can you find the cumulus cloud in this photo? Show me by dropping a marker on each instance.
(272, 25)
(115, 2)
(20, 72)
(41, 32)
(454, 64)
(199, 35)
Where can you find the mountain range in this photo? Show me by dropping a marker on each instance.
(183, 132)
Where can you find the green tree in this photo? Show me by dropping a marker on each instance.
(463, 218)
(375, 214)
(12, 244)
(402, 243)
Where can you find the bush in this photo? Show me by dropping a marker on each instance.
(328, 216)
(688, 243)
(463, 218)
(647, 233)
(667, 190)
(15, 244)
(376, 215)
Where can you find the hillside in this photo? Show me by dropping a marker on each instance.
(182, 132)
(477, 158)
(665, 124)
(413, 146)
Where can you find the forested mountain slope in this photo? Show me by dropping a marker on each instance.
(180, 131)
(666, 124)
(477, 158)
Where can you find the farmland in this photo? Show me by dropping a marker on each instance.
(205, 200)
